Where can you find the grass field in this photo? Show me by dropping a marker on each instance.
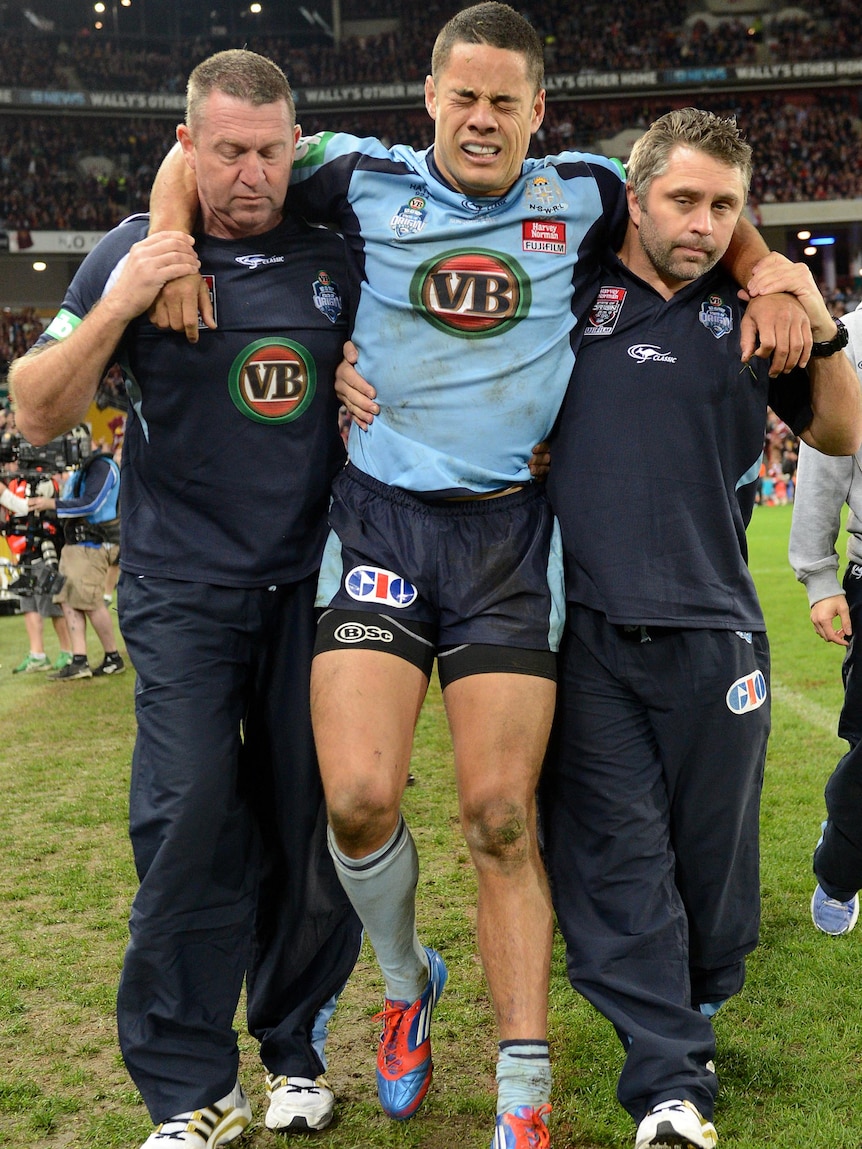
(789, 1046)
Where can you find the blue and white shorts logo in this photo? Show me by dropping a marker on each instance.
(747, 693)
(371, 584)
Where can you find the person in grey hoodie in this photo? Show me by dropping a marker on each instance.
(824, 485)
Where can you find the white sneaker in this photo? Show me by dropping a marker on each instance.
(298, 1103)
(204, 1128)
(675, 1125)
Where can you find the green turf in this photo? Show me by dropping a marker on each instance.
(789, 1046)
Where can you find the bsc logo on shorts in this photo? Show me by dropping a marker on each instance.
(357, 632)
(747, 693)
(371, 584)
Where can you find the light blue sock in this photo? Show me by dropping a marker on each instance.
(523, 1075)
(382, 889)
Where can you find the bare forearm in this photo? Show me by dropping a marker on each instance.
(174, 197)
(746, 249)
(836, 399)
(53, 386)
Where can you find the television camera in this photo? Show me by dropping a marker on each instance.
(38, 563)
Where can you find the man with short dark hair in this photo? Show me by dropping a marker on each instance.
(228, 456)
(652, 786)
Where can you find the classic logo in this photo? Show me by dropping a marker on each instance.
(649, 353)
(605, 311)
(272, 380)
(358, 632)
(747, 693)
(471, 293)
(371, 584)
(258, 260)
(716, 316)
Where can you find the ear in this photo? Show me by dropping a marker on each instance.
(430, 97)
(634, 205)
(538, 111)
(187, 144)
(297, 132)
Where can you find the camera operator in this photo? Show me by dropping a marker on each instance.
(32, 540)
(88, 509)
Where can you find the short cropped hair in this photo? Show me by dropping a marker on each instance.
(239, 73)
(716, 136)
(496, 25)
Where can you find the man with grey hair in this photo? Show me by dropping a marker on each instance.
(229, 454)
(652, 785)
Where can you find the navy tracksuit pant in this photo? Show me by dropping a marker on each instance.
(838, 858)
(227, 824)
(650, 806)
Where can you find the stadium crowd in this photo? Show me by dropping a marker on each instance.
(87, 173)
(590, 36)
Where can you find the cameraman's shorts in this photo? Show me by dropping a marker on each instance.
(41, 604)
(85, 567)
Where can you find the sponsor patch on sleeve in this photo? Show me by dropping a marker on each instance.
(605, 311)
(63, 324)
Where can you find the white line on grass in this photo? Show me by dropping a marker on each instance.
(811, 712)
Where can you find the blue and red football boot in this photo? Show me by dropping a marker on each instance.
(404, 1064)
(526, 1128)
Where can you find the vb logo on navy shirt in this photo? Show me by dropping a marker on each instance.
(272, 380)
(747, 693)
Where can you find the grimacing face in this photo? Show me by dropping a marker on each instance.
(688, 218)
(242, 156)
(485, 111)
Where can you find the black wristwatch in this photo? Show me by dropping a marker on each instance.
(829, 346)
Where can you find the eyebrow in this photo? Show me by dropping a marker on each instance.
(470, 93)
(698, 193)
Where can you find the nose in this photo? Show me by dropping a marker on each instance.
(483, 116)
(700, 220)
(251, 171)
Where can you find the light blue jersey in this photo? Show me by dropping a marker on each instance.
(469, 312)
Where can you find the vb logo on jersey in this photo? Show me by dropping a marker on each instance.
(272, 380)
(471, 294)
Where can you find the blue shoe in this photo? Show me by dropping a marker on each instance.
(404, 1064)
(526, 1128)
(831, 916)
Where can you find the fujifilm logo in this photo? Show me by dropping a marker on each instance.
(254, 261)
(649, 353)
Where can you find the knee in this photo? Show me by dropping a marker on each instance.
(499, 832)
(362, 818)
